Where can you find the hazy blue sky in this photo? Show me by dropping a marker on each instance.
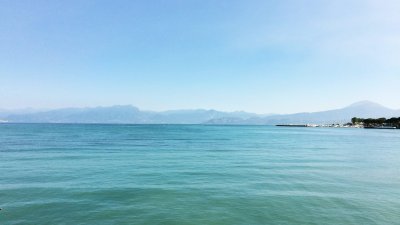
(259, 56)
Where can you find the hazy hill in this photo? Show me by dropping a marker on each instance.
(122, 114)
(364, 109)
(132, 115)
(196, 116)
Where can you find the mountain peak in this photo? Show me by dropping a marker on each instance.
(365, 103)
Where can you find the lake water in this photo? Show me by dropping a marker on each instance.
(198, 174)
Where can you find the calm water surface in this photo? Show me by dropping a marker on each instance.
(194, 174)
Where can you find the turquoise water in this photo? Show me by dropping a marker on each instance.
(194, 174)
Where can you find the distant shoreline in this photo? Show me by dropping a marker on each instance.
(337, 126)
(204, 124)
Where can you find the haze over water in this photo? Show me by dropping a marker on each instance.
(197, 174)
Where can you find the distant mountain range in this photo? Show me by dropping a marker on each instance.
(121, 114)
(132, 115)
(364, 109)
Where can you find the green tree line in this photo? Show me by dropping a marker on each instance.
(394, 122)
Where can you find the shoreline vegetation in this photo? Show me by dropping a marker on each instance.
(379, 123)
(370, 123)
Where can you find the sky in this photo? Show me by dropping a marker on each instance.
(276, 56)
